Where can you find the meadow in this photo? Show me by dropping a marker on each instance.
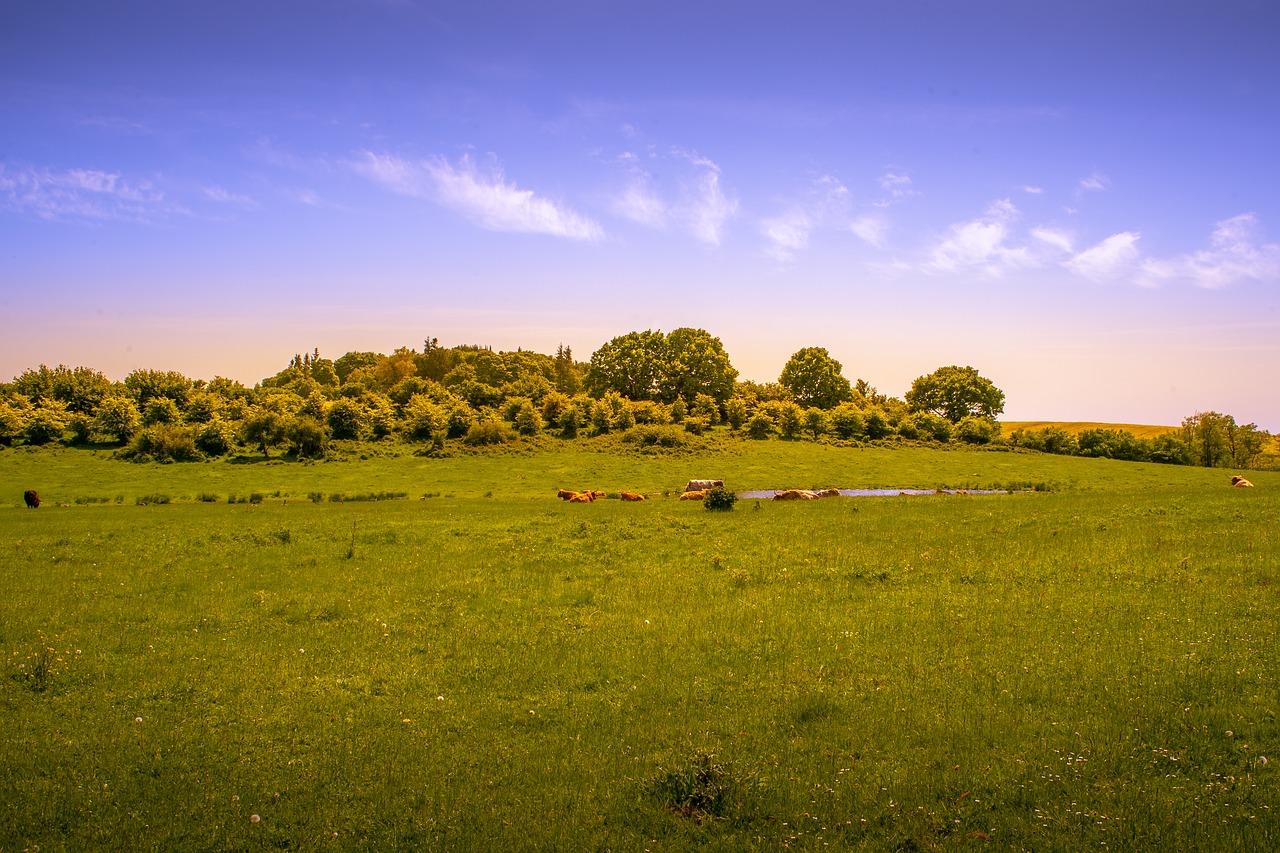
(1089, 662)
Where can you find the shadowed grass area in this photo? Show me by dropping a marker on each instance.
(1052, 670)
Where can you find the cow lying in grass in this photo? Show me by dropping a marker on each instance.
(584, 497)
(695, 495)
(630, 496)
(806, 494)
(1240, 482)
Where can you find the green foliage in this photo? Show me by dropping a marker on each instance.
(847, 422)
(488, 432)
(46, 423)
(161, 410)
(956, 393)
(264, 427)
(1217, 441)
(146, 385)
(697, 365)
(815, 423)
(656, 435)
(760, 427)
(216, 438)
(735, 412)
(117, 418)
(425, 419)
(813, 379)
(163, 442)
(975, 430)
(632, 365)
(790, 420)
(649, 412)
(13, 420)
(79, 389)
(527, 419)
(309, 435)
(720, 499)
(346, 419)
(925, 426)
(202, 407)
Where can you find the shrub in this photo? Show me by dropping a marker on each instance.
(720, 499)
(424, 418)
(161, 410)
(527, 419)
(655, 435)
(164, 443)
(489, 432)
(696, 426)
(975, 430)
(346, 419)
(310, 437)
(847, 421)
(207, 497)
(760, 426)
(735, 412)
(81, 427)
(46, 423)
(215, 438)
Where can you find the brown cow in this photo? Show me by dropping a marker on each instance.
(1240, 482)
(828, 493)
(32, 499)
(696, 495)
(582, 498)
(596, 495)
(565, 494)
(630, 496)
(795, 495)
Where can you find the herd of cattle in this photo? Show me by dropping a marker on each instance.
(694, 490)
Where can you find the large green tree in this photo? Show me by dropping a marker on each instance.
(814, 379)
(956, 393)
(633, 365)
(697, 364)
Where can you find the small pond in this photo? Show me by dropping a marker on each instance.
(881, 493)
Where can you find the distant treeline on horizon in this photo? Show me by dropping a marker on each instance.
(648, 388)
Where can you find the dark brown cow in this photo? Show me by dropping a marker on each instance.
(32, 498)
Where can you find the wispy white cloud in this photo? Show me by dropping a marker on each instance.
(1115, 257)
(1234, 254)
(1054, 238)
(82, 194)
(823, 206)
(981, 245)
(483, 196)
(1031, 190)
(224, 196)
(1095, 182)
(871, 229)
(704, 206)
(897, 187)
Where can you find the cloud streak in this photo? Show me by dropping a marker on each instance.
(86, 194)
(485, 197)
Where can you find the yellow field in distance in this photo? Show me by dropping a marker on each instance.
(1077, 427)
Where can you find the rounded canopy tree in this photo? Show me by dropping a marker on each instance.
(813, 379)
(956, 393)
(653, 366)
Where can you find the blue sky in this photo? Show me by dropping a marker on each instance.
(1080, 200)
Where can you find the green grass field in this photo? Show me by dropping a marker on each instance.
(1088, 666)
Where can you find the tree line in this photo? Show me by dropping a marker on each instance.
(648, 387)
